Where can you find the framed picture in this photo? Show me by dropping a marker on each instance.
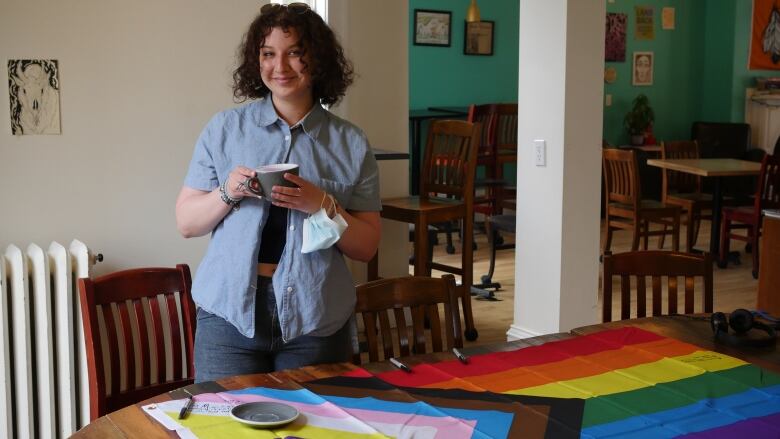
(479, 38)
(432, 28)
(642, 71)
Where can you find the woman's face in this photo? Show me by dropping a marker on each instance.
(282, 67)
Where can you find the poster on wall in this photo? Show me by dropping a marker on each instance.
(615, 38)
(667, 18)
(765, 36)
(644, 23)
(642, 68)
(34, 91)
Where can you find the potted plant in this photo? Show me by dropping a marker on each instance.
(639, 119)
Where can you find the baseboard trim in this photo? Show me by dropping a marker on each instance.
(517, 333)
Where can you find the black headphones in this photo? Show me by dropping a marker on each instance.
(741, 321)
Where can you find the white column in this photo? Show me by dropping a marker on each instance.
(560, 101)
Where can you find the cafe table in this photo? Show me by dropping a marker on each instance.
(686, 338)
(717, 169)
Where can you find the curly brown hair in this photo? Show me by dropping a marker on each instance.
(331, 72)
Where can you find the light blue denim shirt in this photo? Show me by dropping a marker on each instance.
(315, 293)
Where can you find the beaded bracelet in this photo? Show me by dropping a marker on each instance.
(226, 198)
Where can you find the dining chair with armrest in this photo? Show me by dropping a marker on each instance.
(446, 194)
(767, 196)
(146, 306)
(656, 264)
(421, 297)
(625, 209)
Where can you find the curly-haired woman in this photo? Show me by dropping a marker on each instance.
(263, 305)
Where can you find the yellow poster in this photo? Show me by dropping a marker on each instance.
(644, 23)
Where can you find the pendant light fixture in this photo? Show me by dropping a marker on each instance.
(472, 14)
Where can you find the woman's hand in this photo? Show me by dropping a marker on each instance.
(235, 183)
(306, 198)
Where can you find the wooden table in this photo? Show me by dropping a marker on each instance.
(132, 422)
(717, 169)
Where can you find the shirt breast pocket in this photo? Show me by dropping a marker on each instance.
(341, 191)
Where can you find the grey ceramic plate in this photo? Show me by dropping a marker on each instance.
(264, 414)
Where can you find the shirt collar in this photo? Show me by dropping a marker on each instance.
(311, 123)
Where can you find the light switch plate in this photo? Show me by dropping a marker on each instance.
(540, 152)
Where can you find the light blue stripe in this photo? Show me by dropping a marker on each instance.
(703, 415)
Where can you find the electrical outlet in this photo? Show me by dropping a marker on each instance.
(540, 152)
(608, 100)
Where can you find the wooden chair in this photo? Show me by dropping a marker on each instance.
(506, 148)
(419, 295)
(749, 218)
(485, 203)
(684, 190)
(625, 208)
(446, 194)
(135, 294)
(657, 264)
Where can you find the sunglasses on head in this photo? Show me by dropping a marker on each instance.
(298, 8)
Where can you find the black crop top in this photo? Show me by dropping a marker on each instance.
(274, 236)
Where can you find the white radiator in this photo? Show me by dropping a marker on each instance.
(44, 391)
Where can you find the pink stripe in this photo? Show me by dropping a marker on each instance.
(446, 426)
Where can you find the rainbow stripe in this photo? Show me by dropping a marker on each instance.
(634, 383)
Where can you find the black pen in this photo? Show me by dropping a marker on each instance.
(400, 365)
(463, 359)
(187, 405)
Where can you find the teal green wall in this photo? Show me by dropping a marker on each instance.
(677, 72)
(717, 74)
(445, 76)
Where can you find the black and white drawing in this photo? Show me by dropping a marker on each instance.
(34, 89)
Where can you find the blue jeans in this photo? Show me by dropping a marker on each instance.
(221, 351)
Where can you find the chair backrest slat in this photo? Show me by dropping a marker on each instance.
(625, 297)
(113, 347)
(127, 335)
(435, 326)
(387, 336)
(175, 331)
(131, 291)
(689, 292)
(672, 301)
(403, 333)
(657, 265)
(158, 338)
(419, 296)
(641, 297)
(143, 337)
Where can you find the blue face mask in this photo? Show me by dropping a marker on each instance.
(321, 232)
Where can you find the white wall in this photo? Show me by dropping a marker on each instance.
(138, 82)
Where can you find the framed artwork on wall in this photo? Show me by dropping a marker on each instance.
(432, 28)
(642, 70)
(479, 38)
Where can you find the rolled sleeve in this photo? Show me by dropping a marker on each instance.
(202, 173)
(365, 195)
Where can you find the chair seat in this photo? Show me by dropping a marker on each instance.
(435, 209)
(745, 214)
(697, 197)
(504, 223)
(645, 206)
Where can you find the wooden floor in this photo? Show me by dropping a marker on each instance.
(734, 287)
